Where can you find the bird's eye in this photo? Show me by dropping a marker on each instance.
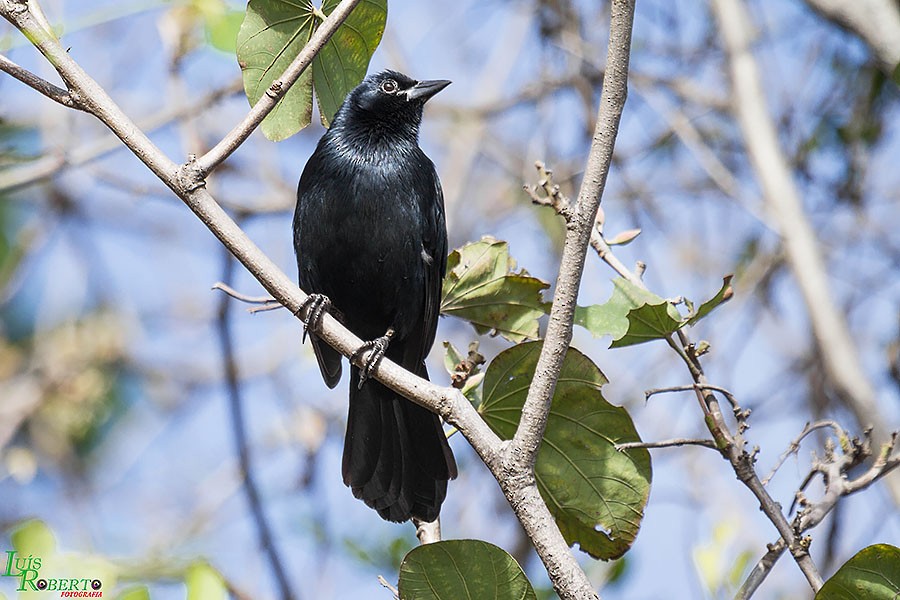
(388, 86)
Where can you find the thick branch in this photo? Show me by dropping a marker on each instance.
(528, 436)
(519, 458)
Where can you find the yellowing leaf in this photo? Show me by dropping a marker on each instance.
(481, 287)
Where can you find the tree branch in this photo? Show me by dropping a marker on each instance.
(55, 93)
(527, 439)
(674, 443)
(761, 570)
(837, 485)
(783, 201)
(520, 455)
(795, 443)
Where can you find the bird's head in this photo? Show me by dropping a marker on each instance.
(389, 97)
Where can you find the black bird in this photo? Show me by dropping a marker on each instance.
(371, 244)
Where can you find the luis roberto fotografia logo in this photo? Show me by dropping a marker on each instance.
(27, 569)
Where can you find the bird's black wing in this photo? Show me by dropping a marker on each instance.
(434, 245)
(311, 191)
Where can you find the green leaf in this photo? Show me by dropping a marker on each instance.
(33, 537)
(481, 287)
(614, 317)
(649, 322)
(723, 295)
(273, 34)
(135, 592)
(462, 570)
(341, 64)
(222, 30)
(596, 493)
(603, 319)
(873, 574)
(633, 315)
(204, 583)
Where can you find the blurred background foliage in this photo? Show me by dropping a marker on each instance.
(114, 424)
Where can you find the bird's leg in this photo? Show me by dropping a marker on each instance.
(378, 346)
(318, 305)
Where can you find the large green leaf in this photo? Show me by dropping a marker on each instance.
(482, 288)
(596, 493)
(273, 34)
(462, 570)
(873, 573)
(342, 63)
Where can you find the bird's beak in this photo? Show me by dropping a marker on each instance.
(424, 90)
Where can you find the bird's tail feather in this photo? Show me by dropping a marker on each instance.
(396, 456)
(329, 361)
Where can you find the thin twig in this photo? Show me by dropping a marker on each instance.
(219, 285)
(267, 302)
(740, 414)
(264, 530)
(667, 444)
(692, 388)
(273, 305)
(795, 443)
(384, 583)
(834, 471)
(55, 93)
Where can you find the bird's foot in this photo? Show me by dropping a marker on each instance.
(378, 346)
(318, 305)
